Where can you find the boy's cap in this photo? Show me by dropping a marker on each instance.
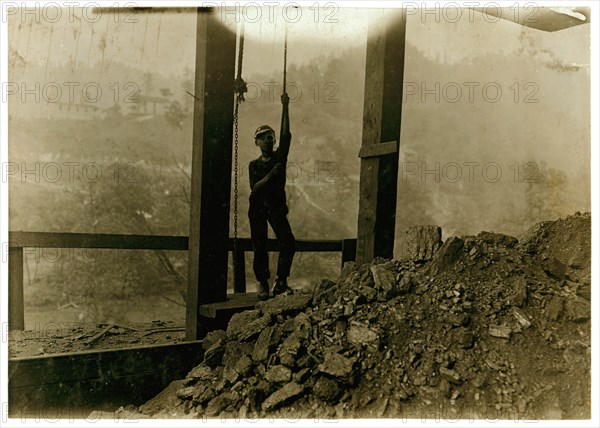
(262, 129)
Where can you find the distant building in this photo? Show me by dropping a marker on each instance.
(55, 110)
(148, 104)
(68, 110)
(80, 109)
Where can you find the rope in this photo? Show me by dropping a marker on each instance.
(284, 72)
(240, 88)
(285, 59)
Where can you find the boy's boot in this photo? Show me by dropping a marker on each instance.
(281, 286)
(263, 290)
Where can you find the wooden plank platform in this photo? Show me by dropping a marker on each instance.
(113, 377)
(237, 302)
(216, 316)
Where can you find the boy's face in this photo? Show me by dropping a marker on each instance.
(266, 141)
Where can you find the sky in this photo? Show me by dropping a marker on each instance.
(149, 41)
(146, 39)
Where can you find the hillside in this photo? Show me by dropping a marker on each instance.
(540, 149)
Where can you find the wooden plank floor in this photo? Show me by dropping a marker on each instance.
(107, 378)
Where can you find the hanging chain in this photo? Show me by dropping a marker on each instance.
(235, 188)
(235, 198)
(240, 88)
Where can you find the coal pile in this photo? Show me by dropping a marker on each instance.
(476, 327)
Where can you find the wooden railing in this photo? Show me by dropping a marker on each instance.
(20, 240)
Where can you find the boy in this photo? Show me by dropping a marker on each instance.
(268, 204)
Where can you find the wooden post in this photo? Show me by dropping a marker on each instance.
(211, 165)
(381, 127)
(16, 305)
(348, 251)
(239, 272)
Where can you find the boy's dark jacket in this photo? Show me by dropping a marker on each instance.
(272, 196)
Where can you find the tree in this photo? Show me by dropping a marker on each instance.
(114, 112)
(148, 82)
(175, 115)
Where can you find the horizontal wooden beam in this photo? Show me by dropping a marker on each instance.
(145, 242)
(131, 11)
(378, 149)
(528, 15)
(319, 246)
(96, 240)
(541, 18)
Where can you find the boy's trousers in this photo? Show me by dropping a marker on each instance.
(259, 234)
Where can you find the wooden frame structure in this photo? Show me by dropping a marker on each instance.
(44, 379)
(209, 240)
(18, 242)
(381, 137)
(211, 165)
(382, 116)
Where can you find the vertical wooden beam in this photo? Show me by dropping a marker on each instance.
(195, 201)
(211, 165)
(371, 134)
(391, 118)
(239, 272)
(348, 251)
(16, 304)
(381, 123)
